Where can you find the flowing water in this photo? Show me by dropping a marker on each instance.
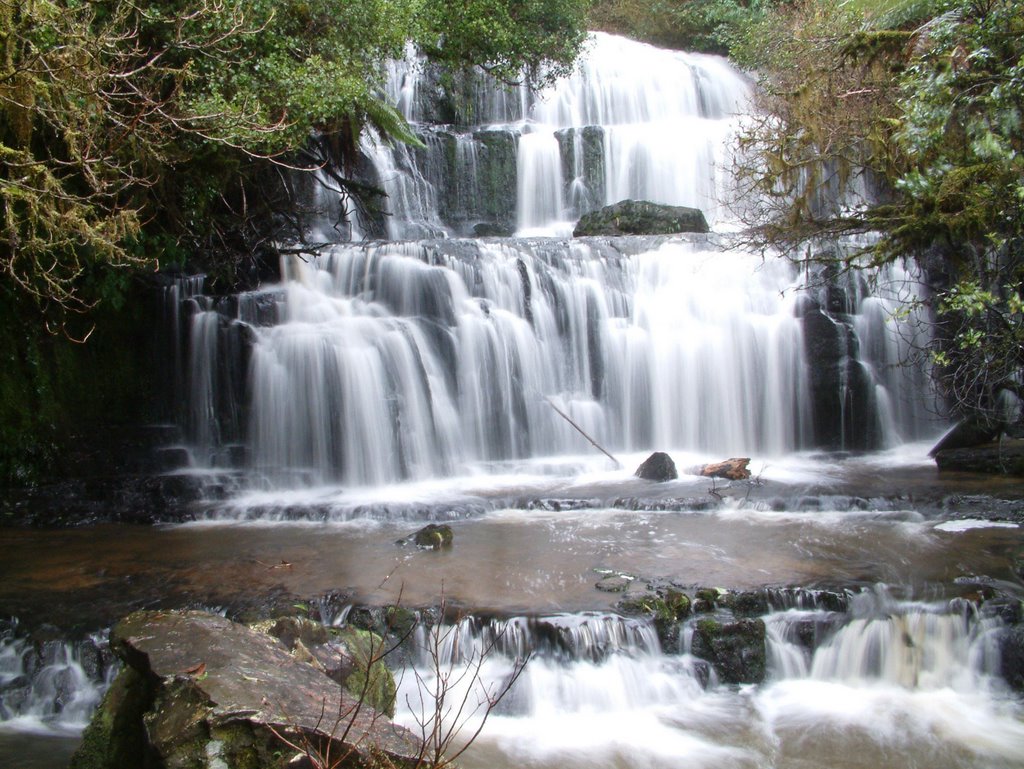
(386, 384)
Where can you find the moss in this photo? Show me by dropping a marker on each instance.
(371, 679)
(115, 737)
(54, 390)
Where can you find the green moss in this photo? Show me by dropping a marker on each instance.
(115, 737)
(54, 389)
(371, 680)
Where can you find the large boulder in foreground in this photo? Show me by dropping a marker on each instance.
(641, 217)
(200, 690)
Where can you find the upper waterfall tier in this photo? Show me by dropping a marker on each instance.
(632, 121)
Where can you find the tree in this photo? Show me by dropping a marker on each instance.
(133, 127)
(903, 122)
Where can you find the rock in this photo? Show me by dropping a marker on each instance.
(749, 603)
(965, 434)
(615, 583)
(200, 690)
(116, 736)
(666, 607)
(289, 630)
(1011, 653)
(734, 469)
(433, 536)
(1003, 458)
(842, 399)
(709, 595)
(369, 679)
(657, 467)
(641, 217)
(736, 650)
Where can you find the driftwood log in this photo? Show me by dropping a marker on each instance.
(734, 469)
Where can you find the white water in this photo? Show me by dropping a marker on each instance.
(664, 120)
(897, 683)
(406, 361)
(47, 690)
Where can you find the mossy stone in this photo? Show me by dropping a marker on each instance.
(371, 679)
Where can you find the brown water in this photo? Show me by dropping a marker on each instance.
(899, 529)
(511, 561)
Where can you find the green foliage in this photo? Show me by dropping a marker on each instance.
(925, 100)
(131, 121)
(710, 26)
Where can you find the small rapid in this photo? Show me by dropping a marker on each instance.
(889, 678)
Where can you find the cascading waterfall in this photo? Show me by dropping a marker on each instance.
(632, 121)
(413, 360)
(405, 360)
(890, 675)
(375, 363)
(53, 686)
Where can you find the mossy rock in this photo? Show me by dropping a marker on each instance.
(641, 217)
(434, 537)
(736, 650)
(749, 603)
(115, 737)
(371, 679)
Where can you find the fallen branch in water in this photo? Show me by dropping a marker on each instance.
(582, 432)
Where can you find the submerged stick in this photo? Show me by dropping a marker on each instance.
(582, 432)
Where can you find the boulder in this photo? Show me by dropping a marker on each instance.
(965, 434)
(1003, 458)
(736, 650)
(657, 467)
(200, 690)
(641, 217)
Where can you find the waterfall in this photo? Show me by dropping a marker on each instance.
(51, 686)
(632, 121)
(396, 361)
(379, 362)
(915, 680)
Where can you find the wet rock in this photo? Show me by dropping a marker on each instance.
(370, 680)
(433, 537)
(641, 217)
(965, 434)
(750, 603)
(289, 630)
(1003, 458)
(116, 735)
(842, 400)
(657, 467)
(736, 650)
(709, 595)
(614, 583)
(200, 690)
(667, 607)
(1011, 652)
